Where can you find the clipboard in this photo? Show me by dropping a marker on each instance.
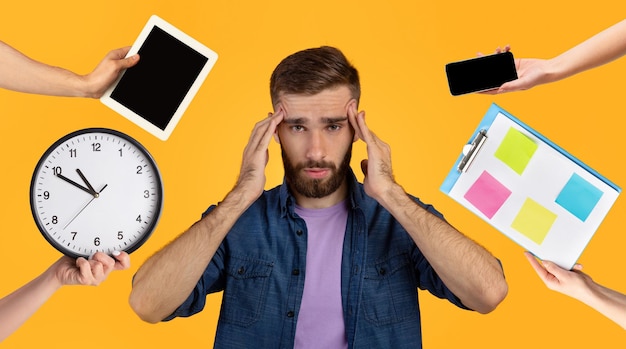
(530, 189)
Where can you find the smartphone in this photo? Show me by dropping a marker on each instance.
(481, 73)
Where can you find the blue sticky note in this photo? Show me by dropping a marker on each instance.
(579, 197)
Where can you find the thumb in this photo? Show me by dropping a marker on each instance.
(507, 87)
(553, 269)
(513, 85)
(129, 61)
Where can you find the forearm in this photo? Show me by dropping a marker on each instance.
(600, 49)
(23, 74)
(167, 278)
(609, 303)
(466, 268)
(20, 305)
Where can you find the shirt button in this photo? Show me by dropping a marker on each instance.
(241, 270)
(290, 314)
(295, 272)
(382, 271)
(299, 232)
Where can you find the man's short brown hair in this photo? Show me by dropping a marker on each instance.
(313, 70)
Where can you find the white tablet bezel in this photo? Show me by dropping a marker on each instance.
(212, 56)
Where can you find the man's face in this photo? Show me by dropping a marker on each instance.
(316, 141)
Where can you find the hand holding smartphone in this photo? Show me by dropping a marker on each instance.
(481, 73)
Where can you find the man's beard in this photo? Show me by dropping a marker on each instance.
(316, 188)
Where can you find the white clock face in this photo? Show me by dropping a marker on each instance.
(96, 190)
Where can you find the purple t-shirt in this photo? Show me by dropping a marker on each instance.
(320, 320)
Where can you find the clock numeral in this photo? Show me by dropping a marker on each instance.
(74, 235)
(57, 170)
(120, 235)
(55, 219)
(120, 150)
(73, 153)
(95, 146)
(96, 241)
(146, 194)
(46, 195)
(138, 219)
(139, 170)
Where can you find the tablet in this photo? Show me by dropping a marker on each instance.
(155, 92)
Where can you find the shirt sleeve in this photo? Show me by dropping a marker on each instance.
(430, 281)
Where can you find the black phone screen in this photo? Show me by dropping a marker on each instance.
(481, 73)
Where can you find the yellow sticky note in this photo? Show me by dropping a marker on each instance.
(534, 221)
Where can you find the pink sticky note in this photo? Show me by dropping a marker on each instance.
(487, 194)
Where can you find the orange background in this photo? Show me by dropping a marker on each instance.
(400, 48)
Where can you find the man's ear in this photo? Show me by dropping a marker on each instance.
(276, 137)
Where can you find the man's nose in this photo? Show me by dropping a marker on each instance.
(316, 147)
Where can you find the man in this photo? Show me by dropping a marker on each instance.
(321, 261)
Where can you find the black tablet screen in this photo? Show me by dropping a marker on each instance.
(155, 87)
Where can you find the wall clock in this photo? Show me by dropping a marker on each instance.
(94, 190)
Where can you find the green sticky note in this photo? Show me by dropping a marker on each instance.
(534, 221)
(516, 150)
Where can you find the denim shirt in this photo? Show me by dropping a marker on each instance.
(261, 266)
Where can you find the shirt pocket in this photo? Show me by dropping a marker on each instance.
(390, 291)
(245, 290)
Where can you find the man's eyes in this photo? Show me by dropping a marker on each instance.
(301, 128)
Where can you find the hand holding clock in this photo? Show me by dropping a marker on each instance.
(18, 306)
(92, 271)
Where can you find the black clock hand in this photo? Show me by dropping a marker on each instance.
(75, 184)
(82, 176)
(84, 207)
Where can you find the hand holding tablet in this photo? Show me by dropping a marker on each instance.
(155, 93)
